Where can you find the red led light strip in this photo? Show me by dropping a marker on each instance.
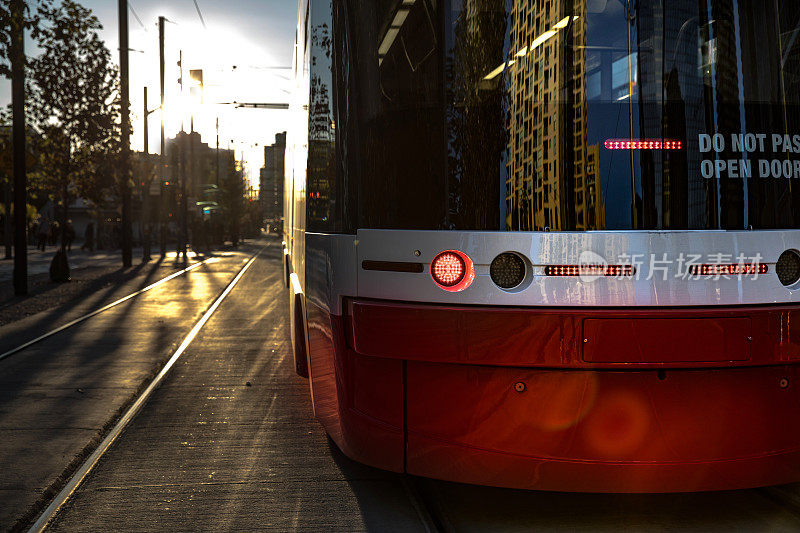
(590, 270)
(643, 144)
(728, 269)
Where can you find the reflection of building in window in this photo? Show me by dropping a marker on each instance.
(553, 179)
(476, 119)
(321, 152)
(684, 201)
(708, 59)
(619, 76)
(590, 212)
(321, 173)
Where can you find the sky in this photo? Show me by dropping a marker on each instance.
(254, 36)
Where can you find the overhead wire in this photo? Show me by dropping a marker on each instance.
(200, 14)
(133, 11)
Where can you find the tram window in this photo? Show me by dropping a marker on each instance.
(448, 110)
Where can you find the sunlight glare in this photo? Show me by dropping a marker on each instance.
(228, 77)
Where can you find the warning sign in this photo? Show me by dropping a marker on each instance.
(763, 155)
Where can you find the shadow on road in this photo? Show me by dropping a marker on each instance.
(72, 387)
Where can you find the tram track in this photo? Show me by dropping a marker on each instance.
(78, 470)
(446, 507)
(424, 504)
(786, 499)
(96, 312)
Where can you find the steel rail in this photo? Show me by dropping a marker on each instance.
(49, 513)
(78, 320)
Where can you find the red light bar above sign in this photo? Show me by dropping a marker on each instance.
(643, 144)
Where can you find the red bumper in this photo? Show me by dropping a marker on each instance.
(540, 400)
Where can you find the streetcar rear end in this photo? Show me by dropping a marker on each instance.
(550, 245)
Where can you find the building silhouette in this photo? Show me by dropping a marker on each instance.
(271, 178)
(200, 161)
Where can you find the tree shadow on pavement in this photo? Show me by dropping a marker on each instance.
(76, 385)
(61, 297)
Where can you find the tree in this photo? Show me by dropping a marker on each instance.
(74, 105)
(14, 20)
(31, 23)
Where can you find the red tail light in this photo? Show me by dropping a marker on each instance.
(728, 269)
(452, 270)
(590, 270)
(448, 269)
(643, 144)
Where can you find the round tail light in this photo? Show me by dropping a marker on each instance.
(507, 270)
(452, 270)
(788, 267)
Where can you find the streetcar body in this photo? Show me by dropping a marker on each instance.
(550, 245)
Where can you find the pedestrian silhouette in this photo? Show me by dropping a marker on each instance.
(88, 237)
(69, 235)
(43, 234)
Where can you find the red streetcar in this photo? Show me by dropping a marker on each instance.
(550, 244)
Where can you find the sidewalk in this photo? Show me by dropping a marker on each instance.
(39, 262)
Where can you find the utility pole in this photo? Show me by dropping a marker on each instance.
(18, 146)
(192, 175)
(145, 216)
(183, 232)
(125, 164)
(163, 161)
(195, 76)
(215, 214)
(7, 218)
(146, 128)
(8, 171)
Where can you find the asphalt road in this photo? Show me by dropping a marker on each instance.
(228, 442)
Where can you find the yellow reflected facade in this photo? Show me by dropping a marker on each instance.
(546, 97)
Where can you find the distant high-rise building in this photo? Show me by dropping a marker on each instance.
(200, 170)
(271, 178)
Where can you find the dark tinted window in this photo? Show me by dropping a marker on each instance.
(549, 114)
